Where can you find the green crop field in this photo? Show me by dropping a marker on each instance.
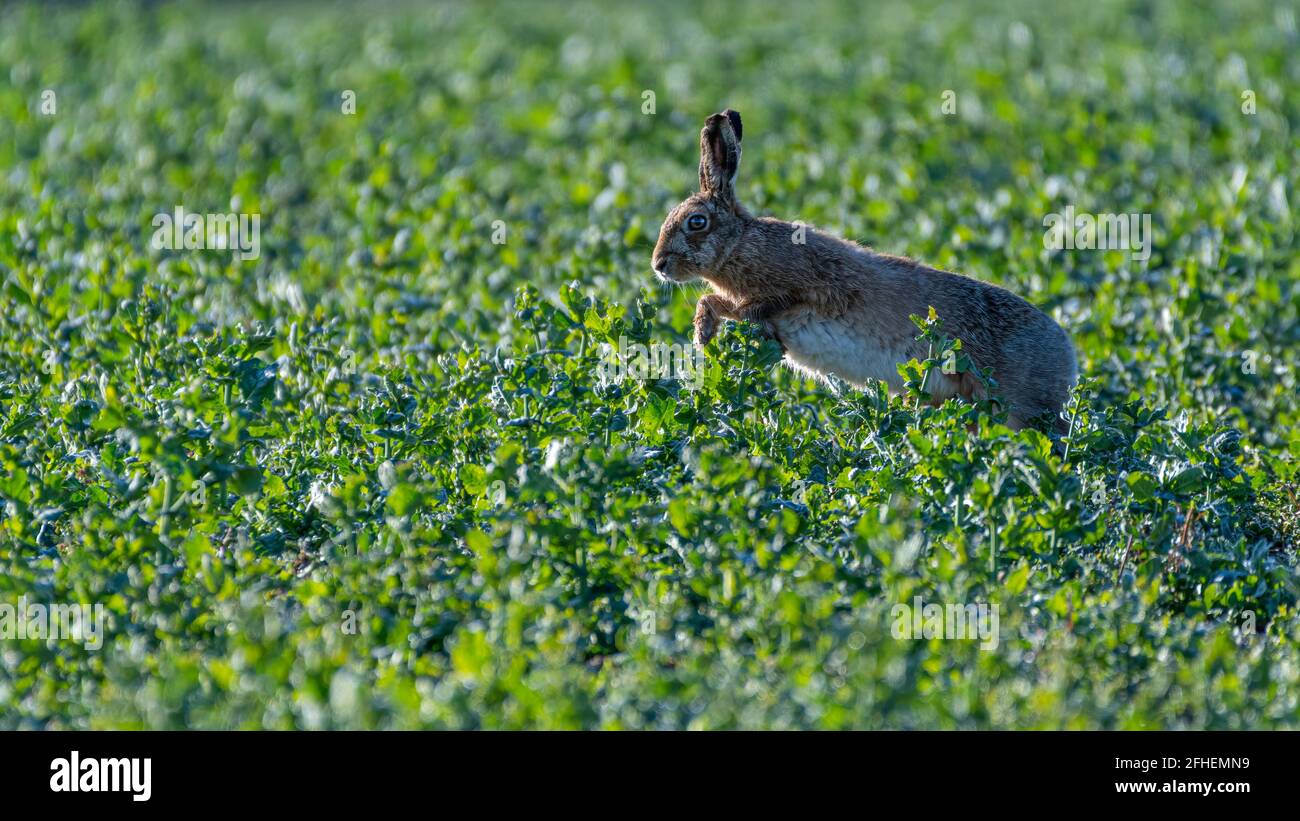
(390, 465)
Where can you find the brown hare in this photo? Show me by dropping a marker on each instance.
(839, 308)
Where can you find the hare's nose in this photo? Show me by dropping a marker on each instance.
(660, 266)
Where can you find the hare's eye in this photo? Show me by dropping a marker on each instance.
(697, 222)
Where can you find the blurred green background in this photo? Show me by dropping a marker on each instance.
(372, 478)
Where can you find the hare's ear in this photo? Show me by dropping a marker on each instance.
(720, 154)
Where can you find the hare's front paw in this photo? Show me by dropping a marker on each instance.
(709, 311)
(706, 325)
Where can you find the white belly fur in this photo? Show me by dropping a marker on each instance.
(827, 346)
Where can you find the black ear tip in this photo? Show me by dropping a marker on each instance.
(734, 117)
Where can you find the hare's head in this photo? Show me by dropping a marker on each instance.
(699, 235)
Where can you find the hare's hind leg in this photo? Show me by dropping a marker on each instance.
(964, 385)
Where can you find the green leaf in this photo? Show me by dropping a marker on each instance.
(1142, 485)
(403, 499)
